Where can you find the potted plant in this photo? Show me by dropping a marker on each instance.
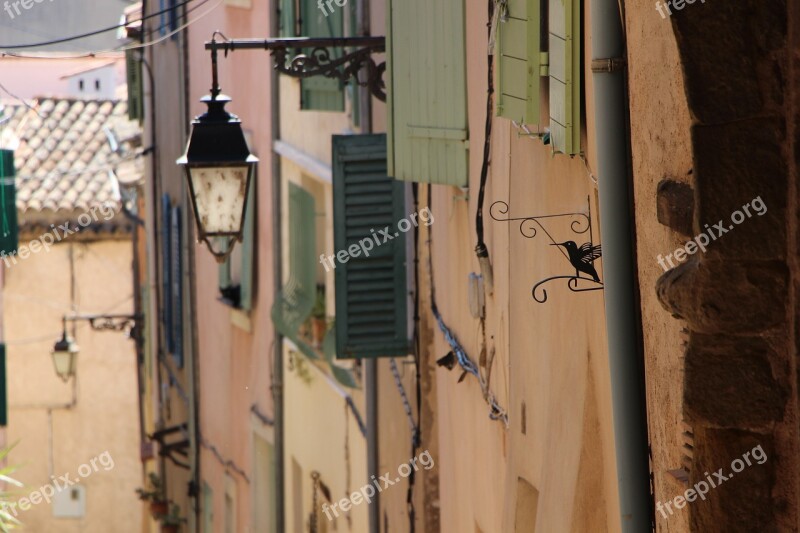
(171, 523)
(318, 322)
(7, 520)
(158, 500)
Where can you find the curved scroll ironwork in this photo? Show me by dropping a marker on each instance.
(319, 62)
(527, 225)
(580, 257)
(572, 284)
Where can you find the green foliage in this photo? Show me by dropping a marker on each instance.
(7, 520)
(156, 492)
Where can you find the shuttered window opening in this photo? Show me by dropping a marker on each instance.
(3, 387)
(236, 274)
(565, 75)
(371, 291)
(133, 74)
(166, 271)
(294, 302)
(519, 68)
(320, 93)
(9, 226)
(176, 282)
(427, 92)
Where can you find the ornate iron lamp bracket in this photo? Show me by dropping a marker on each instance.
(580, 257)
(304, 57)
(128, 323)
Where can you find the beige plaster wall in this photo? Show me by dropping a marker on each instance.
(550, 370)
(54, 439)
(235, 350)
(660, 139)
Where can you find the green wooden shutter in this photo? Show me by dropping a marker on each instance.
(9, 228)
(293, 305)
(427, 91)
(319, 93)
(133, 70)
(518, 62)
(246, 276)
(288, 27)
(371, 291)
(3, 387)
(565, 75)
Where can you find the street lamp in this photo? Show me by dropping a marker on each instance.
(64, 353)
(219, 167)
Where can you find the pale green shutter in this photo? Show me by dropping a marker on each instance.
(565, 75)
(319, 93)
(518, 62)
(371, 291)
(427, 91)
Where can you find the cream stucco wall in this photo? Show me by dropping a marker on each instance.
(550, 370)
(56, 436)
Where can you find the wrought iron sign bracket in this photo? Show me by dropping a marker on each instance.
(127, 323)
(305, 57)
(580, 257)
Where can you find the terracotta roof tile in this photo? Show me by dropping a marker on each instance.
(64, 158)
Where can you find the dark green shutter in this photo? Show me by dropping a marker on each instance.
(3, 387)
(133, 69)
(9, 229)
(319, 93)
(371, 291)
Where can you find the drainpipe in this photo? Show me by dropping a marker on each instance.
(277, 266)
(370, 365)
(623, 322)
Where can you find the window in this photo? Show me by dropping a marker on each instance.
(9, 228)
(263, 486)
(522, 60)
(236, 273)
(371, 291)
(96, 85)
(305, 18)
(427, 92)
(565, 75)
(80, 85)
(230, 505)
(172, 279)
(518, 69)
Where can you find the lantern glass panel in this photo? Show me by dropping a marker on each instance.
(219, 195)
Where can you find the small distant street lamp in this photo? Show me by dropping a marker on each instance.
(219, 167)
(65, 351)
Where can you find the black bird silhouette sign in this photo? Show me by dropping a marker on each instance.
(582, 257)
